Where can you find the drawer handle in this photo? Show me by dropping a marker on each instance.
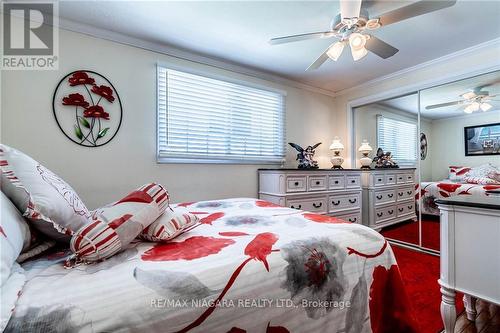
(379, 197)
(408, 192)
(353, 220)
(318, 205)
(400, 210)
(300, 206)
(380, 214)
(391, 212)
(380, 179)
(352, 200)
(400, 194)
(336, 203)
(296, 183)
(317, 183)
(390, 195)
(400, 178)
(336, 182)
(390, 178)
(353, 181)
(410, 207)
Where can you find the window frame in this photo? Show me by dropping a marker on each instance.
(162, 159)
(404, 163)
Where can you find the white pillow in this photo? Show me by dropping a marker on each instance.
(14, 236)
(46, 200)
(11, 292)
(482, 171)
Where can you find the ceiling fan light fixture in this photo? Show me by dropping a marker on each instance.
(468, 95)
(335, 51)
(485, 106)
(357, 41)
(373, 24)
(469, 109)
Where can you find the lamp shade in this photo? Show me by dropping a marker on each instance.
(365, 147)
(336, 144)
(335, 51)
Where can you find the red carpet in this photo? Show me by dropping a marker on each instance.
(420, 272)
(408, 232)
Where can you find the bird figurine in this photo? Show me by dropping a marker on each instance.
(305, 156)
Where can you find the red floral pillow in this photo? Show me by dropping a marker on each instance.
(46, 200)
(113, 227)
(170, 225)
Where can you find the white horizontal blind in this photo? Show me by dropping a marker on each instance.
(201, 119)
(398, 137)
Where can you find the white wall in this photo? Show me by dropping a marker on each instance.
(447, 143)
(104, 174)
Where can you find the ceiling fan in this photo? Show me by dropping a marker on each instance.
(474, 100)
(351, 27)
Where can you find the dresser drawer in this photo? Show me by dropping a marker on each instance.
(315, 205)
(405, 193)
(406, 209)
(385, 213)
(336, 182)
(352, 217)
(352, 181)
(378, 179)
(401, 178)
(316, 183)
(410, 178)
(296, 183)
(384, 196)
(390, 179)
(343, 202)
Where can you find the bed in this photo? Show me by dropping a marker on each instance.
(431, 191)
(249, 266)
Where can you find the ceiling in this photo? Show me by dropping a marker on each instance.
(448, 93)
(238, 32)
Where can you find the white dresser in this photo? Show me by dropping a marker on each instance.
(388, 196)
(470, 254)
(325, 191)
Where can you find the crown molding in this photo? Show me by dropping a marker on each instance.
(494, 43)
(178, 53)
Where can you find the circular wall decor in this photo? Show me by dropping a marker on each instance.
(87, 108)
(423, 146)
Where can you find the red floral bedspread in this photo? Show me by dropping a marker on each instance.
(430, 191)
(250, 266)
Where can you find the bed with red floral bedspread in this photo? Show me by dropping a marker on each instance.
(431, 191)
(249, 266)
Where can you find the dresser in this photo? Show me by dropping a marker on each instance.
(388, 196)
(332, 192)
(470, 253)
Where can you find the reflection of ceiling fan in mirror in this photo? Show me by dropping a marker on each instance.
(474, 100)
(350, 27)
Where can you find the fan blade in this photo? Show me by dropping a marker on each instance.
(320, 61)
(415, 9)
(442, 105)
(380, 48)
(297, 38)
(350, 9)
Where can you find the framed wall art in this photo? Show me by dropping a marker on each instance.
(482, 140)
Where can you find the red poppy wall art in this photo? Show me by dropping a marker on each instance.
(87, 108)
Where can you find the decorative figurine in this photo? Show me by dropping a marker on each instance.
(305, 156)
(384, 160)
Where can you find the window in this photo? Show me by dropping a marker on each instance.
(399, 137)
(207, 120)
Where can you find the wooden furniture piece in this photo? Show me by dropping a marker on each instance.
(388, 196)
(332, 192)
(470, 254)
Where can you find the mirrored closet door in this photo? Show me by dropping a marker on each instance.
(447, 136)
(461, 124)
(388, 200)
